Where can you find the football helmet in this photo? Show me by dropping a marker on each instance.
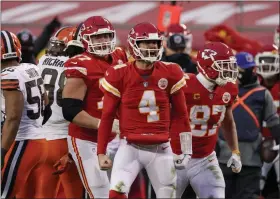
(145, 32)
(183, 30)
(267, 63)
(276, 38)
(217, 63)
(58, 42)
(10, 46)
(91, 33)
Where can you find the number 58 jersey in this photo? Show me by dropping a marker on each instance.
(52, 72)
(26, 79)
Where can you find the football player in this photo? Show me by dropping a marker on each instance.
(141, 91)
(51, 67)
(82, 101)
(268, 69)
(23, 145)
(209, 97)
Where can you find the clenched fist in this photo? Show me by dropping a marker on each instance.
(105, 162)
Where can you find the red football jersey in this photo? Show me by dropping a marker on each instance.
(206, 111)
(92, 69)
(144, 109)
(275, 92)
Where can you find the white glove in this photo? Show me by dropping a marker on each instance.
(275, 148)
(116, 126)
(235, 163)
(181, 161)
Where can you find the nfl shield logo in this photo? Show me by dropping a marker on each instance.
(145, 84)
(211, 95)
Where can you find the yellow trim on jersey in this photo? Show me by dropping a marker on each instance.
(81, 69)
(186, 76)
(108, 87)
(178, 85)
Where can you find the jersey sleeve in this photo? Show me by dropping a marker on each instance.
(10, 79)
(75, 67)
(121, 52)
(177, 78)
(112, 81)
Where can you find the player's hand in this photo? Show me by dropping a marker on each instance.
(181, 161)
(62, 164)
(105, 162)
(235, 163)
(116, 126)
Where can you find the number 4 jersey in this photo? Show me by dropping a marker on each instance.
(144, 110)
(52, 72)
(26, 79)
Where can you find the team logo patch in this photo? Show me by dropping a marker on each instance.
(226, 97)
(162, 83)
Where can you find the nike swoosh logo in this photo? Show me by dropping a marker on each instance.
(163, 148)
(74, 62)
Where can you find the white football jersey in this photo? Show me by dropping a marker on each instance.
(52, 72)
(26, 78)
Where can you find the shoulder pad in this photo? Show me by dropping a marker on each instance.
(9, 79)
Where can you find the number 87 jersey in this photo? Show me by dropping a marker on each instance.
(206, 111)
(144, 108)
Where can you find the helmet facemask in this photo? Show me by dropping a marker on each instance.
(56, 47)
(147, 54)
(227, 70)
(267, 65)
(102, 42)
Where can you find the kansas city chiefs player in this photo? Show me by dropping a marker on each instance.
(268, 69)
(142, 92)
(83, 100)
(209, 96)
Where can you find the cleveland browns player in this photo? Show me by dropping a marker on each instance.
(82, 101)
(51, 67)
(209, 97)
(141, 92)
(23, 145)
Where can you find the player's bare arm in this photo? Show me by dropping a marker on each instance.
(73, 95)
(229, 130)
(14, 103)
(230, 135)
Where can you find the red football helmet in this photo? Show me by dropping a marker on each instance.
(181, 29)
(98, 36)
(277, 38)
(10, 46)
(217, 62)
(145, 32)
(267, 62)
